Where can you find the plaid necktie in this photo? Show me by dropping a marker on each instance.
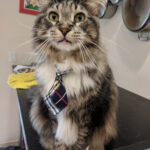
(56, 99)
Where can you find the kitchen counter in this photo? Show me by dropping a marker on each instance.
(133, 123)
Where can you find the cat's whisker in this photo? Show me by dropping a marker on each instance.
(85, 60)
(23, 25)
(104, 38)
(88, 54)
(115, 44)
(45, 51)
(94, 62)
(37, 29)
(81, 54)
(47, 44)
(41, 51)
(30, 58)
(83, 57)
(37, 48)
(85, 53)
(28, 27)
(26, 42)
(83, 46)
(99, 47)
(27, 58)
(33, 53)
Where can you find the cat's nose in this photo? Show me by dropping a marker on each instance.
(64, 31)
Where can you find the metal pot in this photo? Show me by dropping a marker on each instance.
(109, 8)
(136, 14)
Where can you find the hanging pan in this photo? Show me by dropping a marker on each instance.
(136, 14)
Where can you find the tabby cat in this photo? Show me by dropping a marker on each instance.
(66, 38)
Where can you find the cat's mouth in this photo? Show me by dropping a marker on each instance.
(65, 41)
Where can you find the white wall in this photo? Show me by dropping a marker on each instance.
(129, 58)
(12, 33)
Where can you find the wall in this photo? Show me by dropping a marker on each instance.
(129, 58)
(13, 32)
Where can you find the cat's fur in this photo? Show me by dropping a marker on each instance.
(89, 120)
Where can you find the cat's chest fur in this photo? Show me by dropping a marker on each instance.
(67, 131)
(74, 82)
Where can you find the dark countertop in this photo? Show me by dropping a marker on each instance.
(133, 122)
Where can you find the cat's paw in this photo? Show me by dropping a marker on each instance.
(87, 148)
(60, 146)
(47, 143)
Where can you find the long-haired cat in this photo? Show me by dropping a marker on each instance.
(66, 38)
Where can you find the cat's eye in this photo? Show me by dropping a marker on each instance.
(53, 16)
(80, 17)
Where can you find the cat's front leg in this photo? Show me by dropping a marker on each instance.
(80, 144)
(44, 123)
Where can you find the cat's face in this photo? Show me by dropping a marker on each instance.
(67, 25)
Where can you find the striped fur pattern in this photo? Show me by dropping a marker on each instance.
(89, 120)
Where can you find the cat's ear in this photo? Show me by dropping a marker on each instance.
(43, 3)
(94, 6)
